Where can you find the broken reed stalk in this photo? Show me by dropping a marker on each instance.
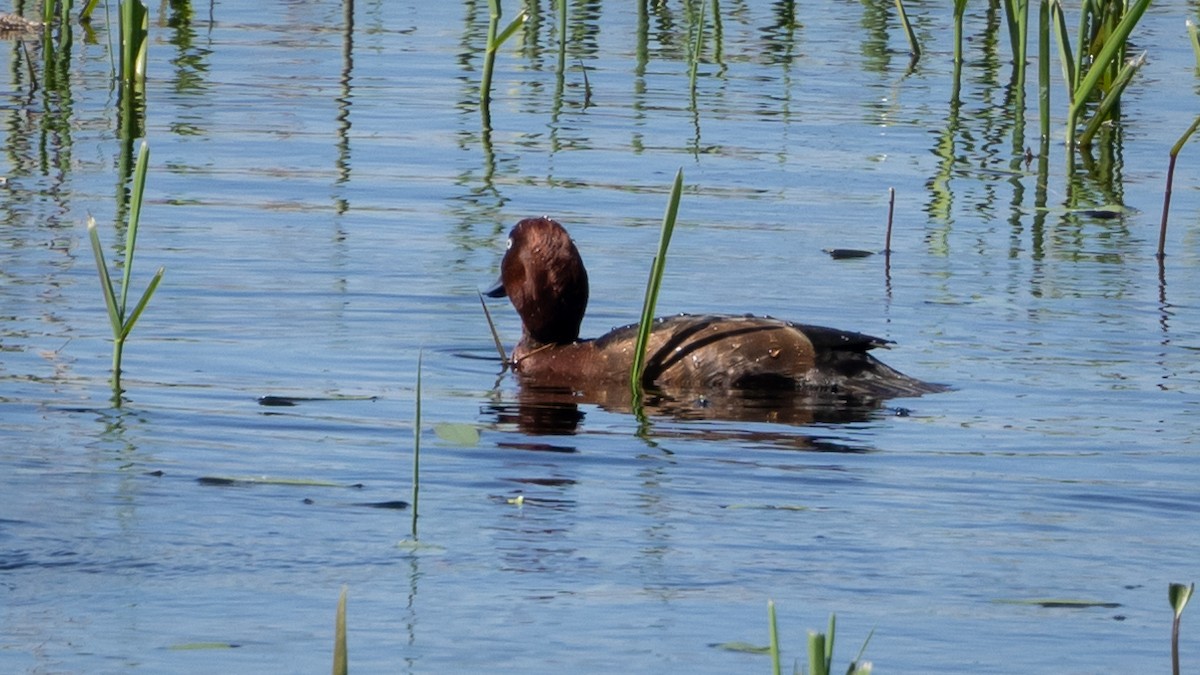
(887, 243)
(1162, 229)
(773, 630)
(495, 335)
(416, 468)
(341, 663)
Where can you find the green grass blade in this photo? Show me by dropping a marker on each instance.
(913, 45)
(106, 287)
(1194, 34)
(508, 31)
(696, 46)
(135, 215)
(857, 665)
(1114, 47)
(652, 287)
(141, 305)
(772, 628)
(1110, 100)
(85, 14)
(1065, 54)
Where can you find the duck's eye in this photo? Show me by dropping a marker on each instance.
(509, 244)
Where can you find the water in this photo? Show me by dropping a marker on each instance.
(327, 206)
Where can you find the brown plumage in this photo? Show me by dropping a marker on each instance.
(544, 276)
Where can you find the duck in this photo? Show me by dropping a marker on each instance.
(543, 275)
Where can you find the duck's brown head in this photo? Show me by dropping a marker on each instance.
(543, 275)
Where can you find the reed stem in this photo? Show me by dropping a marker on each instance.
(416, 467)
(646, 324)
(1175, 150)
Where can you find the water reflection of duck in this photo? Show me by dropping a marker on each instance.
(543, 275)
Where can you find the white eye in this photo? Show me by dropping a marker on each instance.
(509, 244)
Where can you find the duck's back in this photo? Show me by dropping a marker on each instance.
(716, 352)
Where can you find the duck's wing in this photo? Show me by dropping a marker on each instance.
(825, 338)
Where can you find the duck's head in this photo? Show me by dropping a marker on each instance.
(543, 275)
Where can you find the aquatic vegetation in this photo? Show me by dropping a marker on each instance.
(914, 47)
(123, 321)
(135, 26)
(1194, 35)
(695, 46)
(1098, 65)
(1178, 595)
(1162, 230)
(652, 287)
(495, 334)
(495, 39)
(416, 466)
(341, 663)
(820, 648)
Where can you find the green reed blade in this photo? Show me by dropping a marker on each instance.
(855, 666)
(508, 31)
(1086, 11)
(960, 9)
(135, 215)
(773, 630)
(1111, 99)
(85, 14)
(141, 304)
(1114, 46)
(341, 662)
(829, 643)
(135, 24)
(1064, 46)
(652, 287)
(562, 37)
(1194, 34)
(696, 45)
(913, 45)
(816, 654)
(1044, 69)
(106, 287)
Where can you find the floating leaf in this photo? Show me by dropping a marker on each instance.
(1056, 603)
(196, 646)
(742, 647)
(456, 433)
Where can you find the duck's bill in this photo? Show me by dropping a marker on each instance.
(497, 290)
